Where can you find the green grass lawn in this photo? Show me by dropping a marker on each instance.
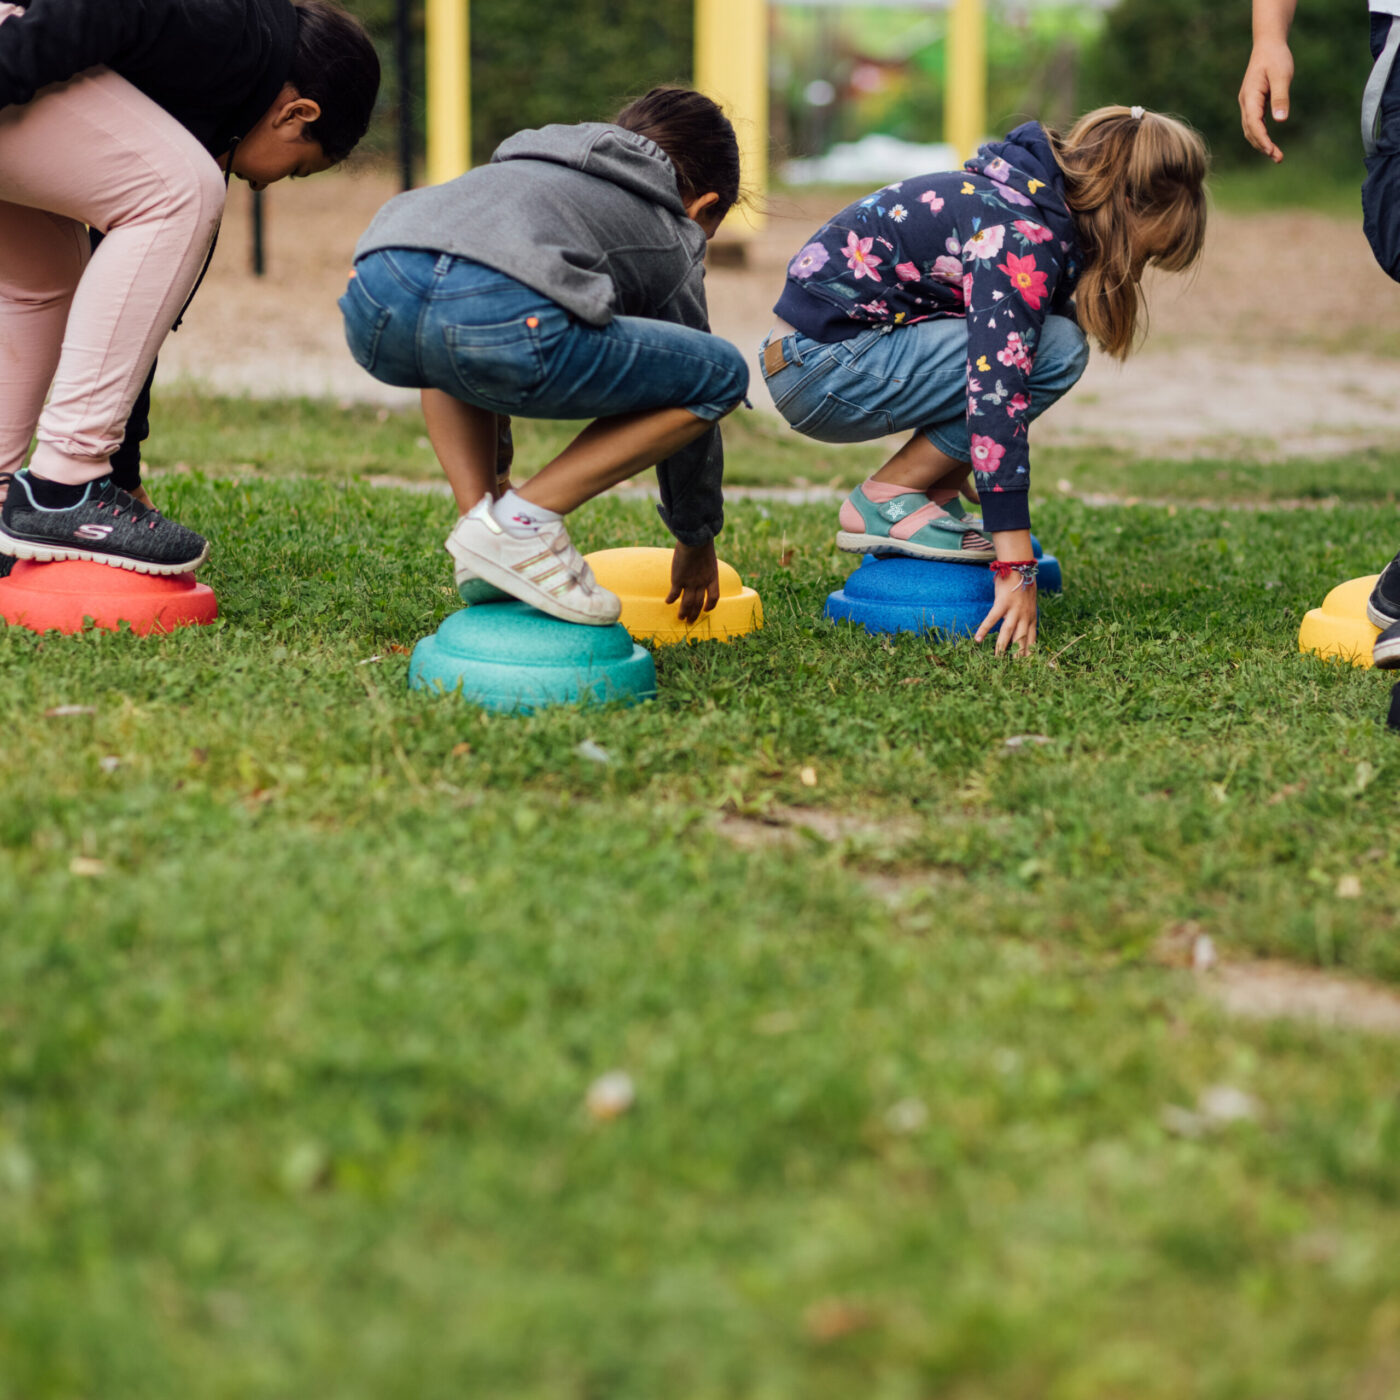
(305, 978)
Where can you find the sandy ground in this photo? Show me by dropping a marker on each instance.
(1252, 355)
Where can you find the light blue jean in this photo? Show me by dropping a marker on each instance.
(892, 379)
(431, 320)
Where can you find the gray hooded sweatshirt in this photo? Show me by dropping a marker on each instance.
(590, 217)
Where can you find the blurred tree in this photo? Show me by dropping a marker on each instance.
(538, 61)
(569, 60)
(1187, 57)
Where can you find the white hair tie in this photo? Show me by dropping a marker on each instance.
(1138, 114)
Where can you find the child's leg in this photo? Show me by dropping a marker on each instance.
(97, 151)
(609, 451)
(42, 256)
(466, 440)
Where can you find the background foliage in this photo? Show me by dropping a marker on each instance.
(572, 60)
(1187, 56)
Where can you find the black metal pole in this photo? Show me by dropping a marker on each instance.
(259, 250)
(403, 45)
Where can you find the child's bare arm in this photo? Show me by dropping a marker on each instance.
(1264, 90)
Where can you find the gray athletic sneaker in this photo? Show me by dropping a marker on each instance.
(1386, 656)
(106, 526)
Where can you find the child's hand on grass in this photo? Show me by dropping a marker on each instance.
(1015, 606)
(1015, 600)
(694, 579)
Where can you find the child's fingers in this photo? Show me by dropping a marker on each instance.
(990, 621)
(712, 595)
(1279, 81)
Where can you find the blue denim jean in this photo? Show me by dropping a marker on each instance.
(891, 379)
(428, 320)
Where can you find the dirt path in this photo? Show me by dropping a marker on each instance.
(1271, 350)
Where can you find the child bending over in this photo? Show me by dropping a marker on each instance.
(565, 280)
(951, 304)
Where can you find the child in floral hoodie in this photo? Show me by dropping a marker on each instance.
(952, 303)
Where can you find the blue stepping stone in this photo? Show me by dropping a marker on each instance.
(512, 658)
(895, 594)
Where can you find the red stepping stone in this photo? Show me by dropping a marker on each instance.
(66, 596)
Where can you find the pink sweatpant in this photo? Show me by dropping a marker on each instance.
(85, 330)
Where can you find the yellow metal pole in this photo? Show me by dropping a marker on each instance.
(965, 112)
(731, 65)
(449, 89)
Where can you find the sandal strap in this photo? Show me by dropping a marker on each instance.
(930, 517)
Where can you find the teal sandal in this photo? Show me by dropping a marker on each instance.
(944, 537)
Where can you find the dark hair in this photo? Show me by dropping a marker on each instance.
(696, 135)
(336, 66)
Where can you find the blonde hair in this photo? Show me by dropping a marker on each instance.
(1135, 185)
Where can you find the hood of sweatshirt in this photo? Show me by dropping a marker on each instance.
(623, 158)
(1026, 173)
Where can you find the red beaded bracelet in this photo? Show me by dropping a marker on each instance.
(1027, 568)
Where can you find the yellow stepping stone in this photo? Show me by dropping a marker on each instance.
(1340, 627)
(641, 577)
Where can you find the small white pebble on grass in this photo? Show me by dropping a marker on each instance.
(68, 711)
(1217, 1107)
(808, 776)
(610, 1095)
(594, 753)
(1025, 741)
(1349, 887)
(1203, 956)
(1223, 1103)
(906, 1117)
(110, 763)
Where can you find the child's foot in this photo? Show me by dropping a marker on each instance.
(541, 568)
(1383, 606)
(44, 521)
(908, 523)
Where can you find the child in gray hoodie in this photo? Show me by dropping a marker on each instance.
(565, 280)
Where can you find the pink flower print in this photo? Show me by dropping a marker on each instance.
(974, 386)
(997, 169)
(985, 243)
(860, 259)
(967, 289)
(908, 272)
(1019, 404)
(933, 200)
(879, 309)
(1033, 232)
(948, 269)
(811, 259)
(1015, 353)
(953, 244)
(1026, 278)
(899, 213)
(986, 454)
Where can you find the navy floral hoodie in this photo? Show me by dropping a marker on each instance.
(993, 243)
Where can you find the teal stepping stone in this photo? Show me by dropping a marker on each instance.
(512, 658)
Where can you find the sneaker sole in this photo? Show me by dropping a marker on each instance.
(1386, 656)
(54, 554)
(508, 581)
(882, 544)
(1377, 618)
(475, 591)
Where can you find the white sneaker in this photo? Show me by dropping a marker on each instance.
(543, 569)
(472, 588)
